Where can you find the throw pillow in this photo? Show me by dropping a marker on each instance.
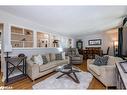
(38, 59)
(63, 56)
(52, 57)
(58, 56)
(100, 60)
(48, 57)
(45, 60)
(32, 58)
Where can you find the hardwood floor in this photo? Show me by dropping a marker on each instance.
(27, 83)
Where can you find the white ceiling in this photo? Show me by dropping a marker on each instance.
(72, 20)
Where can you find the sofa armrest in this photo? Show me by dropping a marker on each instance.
(108, 75)
(108, 68)
(90, 61)
(30, 62)
(32, 69)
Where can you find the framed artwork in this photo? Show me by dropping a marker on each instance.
(95, 42)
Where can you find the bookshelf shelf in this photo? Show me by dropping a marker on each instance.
(21, 38)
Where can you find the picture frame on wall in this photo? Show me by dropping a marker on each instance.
(95, 42)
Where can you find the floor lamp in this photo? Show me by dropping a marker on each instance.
(115, 47)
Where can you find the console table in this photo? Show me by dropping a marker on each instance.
(15, 69)
(121, 77)
(90, 53)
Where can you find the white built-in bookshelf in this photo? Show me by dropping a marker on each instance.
(24, 38)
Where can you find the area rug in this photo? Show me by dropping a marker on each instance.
(65, 82)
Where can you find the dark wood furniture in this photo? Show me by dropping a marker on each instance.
(107, 52)
(90, 52)
(79, 44)
(15, 69)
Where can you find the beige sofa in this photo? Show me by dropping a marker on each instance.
(35, 71)
(106, 73)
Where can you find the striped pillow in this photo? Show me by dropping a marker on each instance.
(45, 60)
(100, 60)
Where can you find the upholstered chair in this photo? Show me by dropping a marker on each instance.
(76, 57)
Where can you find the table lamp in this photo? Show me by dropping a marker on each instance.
(8, 49)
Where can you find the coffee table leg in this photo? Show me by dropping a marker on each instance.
(60, 76)
(77, 80)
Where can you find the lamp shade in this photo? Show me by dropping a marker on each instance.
(115, 43)
(8, 48)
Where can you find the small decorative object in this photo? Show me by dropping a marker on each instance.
(95, 42)
(28, 33)
(24, 39)
(46, 44)
(55, 42)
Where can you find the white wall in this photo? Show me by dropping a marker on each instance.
(24, 23)
(107, 40)
(9, 20)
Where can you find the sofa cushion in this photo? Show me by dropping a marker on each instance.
(47, 66)
(58, 56)
(100, 60)
(52, 57)
(45, 61)
(76, 58)
(58, 62)
(48, 57)
(63, 56)
(111, 60)
(52, 64)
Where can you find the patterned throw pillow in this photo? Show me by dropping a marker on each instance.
(58, 56)
(100, 60)
(38, 59)
(45, 61)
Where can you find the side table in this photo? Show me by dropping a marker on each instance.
(15, 69)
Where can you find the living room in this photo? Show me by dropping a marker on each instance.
(62, 40)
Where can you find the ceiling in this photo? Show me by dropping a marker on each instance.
(73, 21)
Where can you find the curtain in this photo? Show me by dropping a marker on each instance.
(120, 41)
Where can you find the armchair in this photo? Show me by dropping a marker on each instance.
(106, 73)
(76, 57)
